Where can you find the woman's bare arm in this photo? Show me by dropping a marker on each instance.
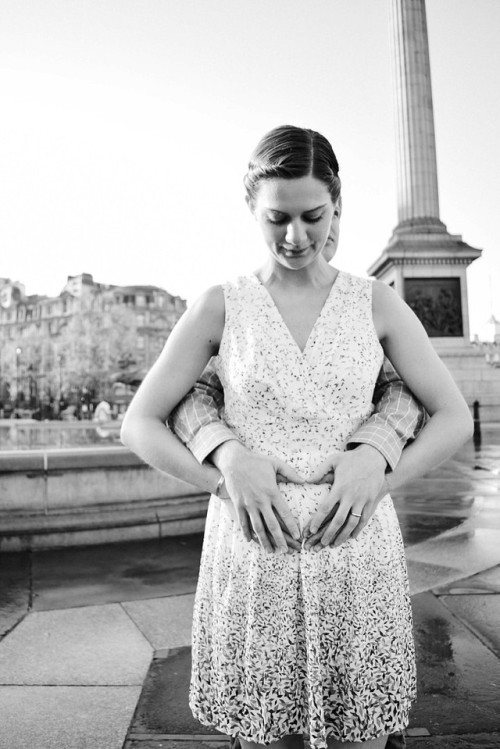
(408, 347)
(194, 340)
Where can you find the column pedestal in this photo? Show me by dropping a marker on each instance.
(427, 266)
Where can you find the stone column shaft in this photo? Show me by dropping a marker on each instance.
(416, 145)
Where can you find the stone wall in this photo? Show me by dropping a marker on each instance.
(88, 496)
(475, 378)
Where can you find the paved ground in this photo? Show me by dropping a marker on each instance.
(94, 650)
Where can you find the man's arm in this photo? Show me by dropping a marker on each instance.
(196, 420)
(197, 423)
(397, 418)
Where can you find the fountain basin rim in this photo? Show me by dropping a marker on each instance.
(53, 458)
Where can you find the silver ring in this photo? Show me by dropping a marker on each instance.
(355, 514)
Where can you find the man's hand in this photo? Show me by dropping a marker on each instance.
(359, 483)
(251, 482)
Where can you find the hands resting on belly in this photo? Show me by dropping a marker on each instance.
(358, 483)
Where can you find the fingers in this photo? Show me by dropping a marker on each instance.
(244, 522)
(317, 475)
(326, 469)
(363, 522)
(270, 535)
(291, 542)
(261, 534)
(274, 531)
(335, 536)
(286, 518)
(325, 512)
(284, 472)
(335, 532)
(283, 543)
(313, 538)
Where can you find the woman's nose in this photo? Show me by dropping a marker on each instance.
(296, 233)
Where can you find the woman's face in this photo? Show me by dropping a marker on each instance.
(296, 217)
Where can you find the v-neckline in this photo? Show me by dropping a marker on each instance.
(281, 319)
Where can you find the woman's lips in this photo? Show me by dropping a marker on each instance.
(294, 251)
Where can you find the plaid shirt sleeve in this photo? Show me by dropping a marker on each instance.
(397, 418)
(197, 418)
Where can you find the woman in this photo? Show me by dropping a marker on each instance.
(315, 640)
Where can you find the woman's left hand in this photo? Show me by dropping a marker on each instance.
(359, 483)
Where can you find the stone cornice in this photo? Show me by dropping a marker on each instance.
(424, 249)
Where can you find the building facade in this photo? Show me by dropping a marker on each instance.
(84, 340)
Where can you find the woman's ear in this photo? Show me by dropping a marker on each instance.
(250, 204)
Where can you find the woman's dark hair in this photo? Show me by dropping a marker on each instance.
(290, 152)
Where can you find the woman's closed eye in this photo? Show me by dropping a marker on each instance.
(285, 219)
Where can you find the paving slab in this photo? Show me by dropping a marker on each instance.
(482, 614)
(417, 526)
(452, 556)
(66, 578)
(165, 622)
(458, 677)
(425, 576)
(467, 741)
(173, 743)
(98, 645)
(486, 582)
(464, 741)
(163, 706)
(15, 589)
(65, 717)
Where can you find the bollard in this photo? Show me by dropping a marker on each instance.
(477, 424)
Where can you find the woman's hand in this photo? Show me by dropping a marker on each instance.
(359, 483)
(251, 483)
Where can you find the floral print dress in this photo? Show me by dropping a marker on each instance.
(318, 643)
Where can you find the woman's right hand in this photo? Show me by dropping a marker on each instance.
(251, 483)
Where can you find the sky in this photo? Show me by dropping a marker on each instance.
(127, 126)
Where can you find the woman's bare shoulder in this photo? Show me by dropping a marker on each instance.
(207, 313)
(210, 301)
(388, 308)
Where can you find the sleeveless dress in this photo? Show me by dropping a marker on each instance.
(318, 643)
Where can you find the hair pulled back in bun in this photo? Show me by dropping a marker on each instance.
(289, 152)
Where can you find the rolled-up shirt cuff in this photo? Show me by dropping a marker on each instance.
(208, 438)
(389, 445)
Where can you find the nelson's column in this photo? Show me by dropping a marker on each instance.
(423, 261)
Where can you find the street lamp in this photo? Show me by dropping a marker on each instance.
(19, 351)
(60, 361)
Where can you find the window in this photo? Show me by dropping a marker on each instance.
(140, 342)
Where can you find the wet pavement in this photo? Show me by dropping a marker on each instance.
(96, 640)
